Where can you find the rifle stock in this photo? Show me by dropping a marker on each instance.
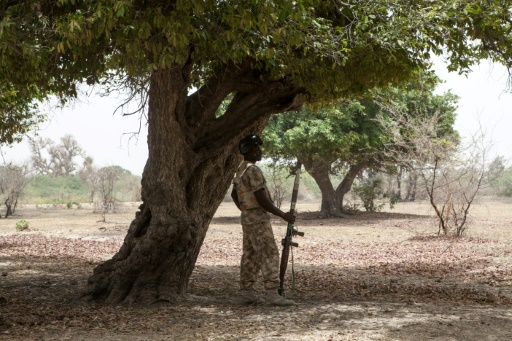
(290, 232)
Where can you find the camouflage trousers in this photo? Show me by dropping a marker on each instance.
(259, 254)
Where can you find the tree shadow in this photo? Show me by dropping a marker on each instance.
(314, 218)
(38, 301)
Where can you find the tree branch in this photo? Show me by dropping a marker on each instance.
(16, 49)
(247, 108)
(203, 104)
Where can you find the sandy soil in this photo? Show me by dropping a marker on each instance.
(372, 276)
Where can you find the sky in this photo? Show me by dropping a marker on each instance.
(484, 102)
(108, 138)
(104, 135)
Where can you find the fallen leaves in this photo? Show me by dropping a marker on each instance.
(42, 277)
(57, 247)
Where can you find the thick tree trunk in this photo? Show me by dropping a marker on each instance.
(319, 170)
(192, 158)
(346, 184)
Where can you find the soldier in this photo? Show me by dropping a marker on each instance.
(251, 196)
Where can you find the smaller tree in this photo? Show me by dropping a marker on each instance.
(13, 179)
(88, 174)
(451, 172)
(344, 139)
(107, 177)
(101, 183)
(277, 187)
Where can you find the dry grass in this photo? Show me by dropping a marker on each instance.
(372, 276)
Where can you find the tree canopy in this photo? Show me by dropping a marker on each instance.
(346, 138)
(269, 56)
(327, 48)
(18, 113)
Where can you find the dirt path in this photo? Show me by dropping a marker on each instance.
(369, 277)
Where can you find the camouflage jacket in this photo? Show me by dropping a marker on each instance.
(248, 179)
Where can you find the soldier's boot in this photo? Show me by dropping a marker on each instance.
(273, 298)
(249, 296)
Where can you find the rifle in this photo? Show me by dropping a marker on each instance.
(290, 232)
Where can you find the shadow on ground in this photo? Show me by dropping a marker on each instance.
(38, 302)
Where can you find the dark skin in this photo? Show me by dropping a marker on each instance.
(254, 155)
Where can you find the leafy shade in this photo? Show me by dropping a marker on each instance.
(326, 47)
(18, 113)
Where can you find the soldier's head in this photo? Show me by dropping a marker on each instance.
(249, 147)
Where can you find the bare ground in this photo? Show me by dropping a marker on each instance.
(372, 276)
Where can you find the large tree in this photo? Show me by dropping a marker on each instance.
(344, 139)
(269, 55)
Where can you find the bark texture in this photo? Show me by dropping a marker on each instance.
(346, 184)
(192, 158)
(319, 170)
(332, 199)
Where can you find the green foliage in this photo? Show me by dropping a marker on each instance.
(369, 189)
(328, 49)
(18, 113)
(503, 183)
(47, 189)
(22, 225)
(72, 190)
(342, 132)
(348, 132)
(416, 100)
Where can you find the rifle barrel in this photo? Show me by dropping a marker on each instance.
(295, 192)
(290, 231)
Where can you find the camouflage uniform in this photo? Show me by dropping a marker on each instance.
(259, 247)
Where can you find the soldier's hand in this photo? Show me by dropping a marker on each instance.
(289, 217)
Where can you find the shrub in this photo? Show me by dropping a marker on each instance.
(22, 225)
(368, 190)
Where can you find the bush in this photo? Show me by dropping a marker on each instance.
(22, 225)
(368, 190)
(503, 184)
